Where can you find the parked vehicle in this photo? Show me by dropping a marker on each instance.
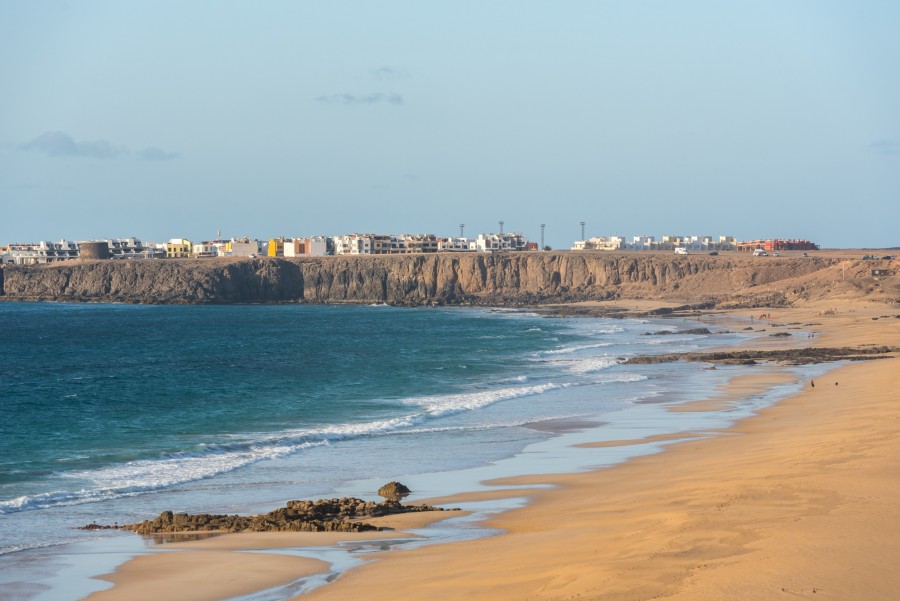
(714, 253)
(759, 252)
(681, 251)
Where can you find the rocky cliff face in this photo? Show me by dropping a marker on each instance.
(502, 279)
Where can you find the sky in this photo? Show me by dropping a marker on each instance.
(163, 119)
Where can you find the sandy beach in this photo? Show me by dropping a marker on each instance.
(800, 500)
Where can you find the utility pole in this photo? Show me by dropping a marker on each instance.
(461, 227)
(501, 227)
(582, 230)
(542, 236)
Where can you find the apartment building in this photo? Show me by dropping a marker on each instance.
(205, 250)
(776, 244)
(599, 243)
(353, 244)
(460, 244)
(513, 241)
(668, 242)
(179, 248)
(245, 247)
(422, 243)
(316, 246)
(275, 248)
(45, 251)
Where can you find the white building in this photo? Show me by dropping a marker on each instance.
(668, 242)
(315, 246)
(461, 244)
(353, 244)
(205, 250)
(223, 247)
(35, 253)
(513, 241)
(128, 248)
(600, 243)
(642, 243)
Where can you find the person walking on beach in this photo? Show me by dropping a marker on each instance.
(812, 383)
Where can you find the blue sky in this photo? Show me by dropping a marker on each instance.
(168, 119)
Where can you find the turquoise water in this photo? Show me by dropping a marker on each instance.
(113, 413)
(181, 393)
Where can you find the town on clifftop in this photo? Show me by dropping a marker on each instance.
(46, 251)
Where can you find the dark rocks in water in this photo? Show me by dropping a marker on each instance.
(393, 491)
(797, 356)
(693, 331)
(780, 334)
(326, 515)
(95, 526)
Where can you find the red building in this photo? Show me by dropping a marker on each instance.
(776, 244)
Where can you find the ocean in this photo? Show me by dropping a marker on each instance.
(114, 413)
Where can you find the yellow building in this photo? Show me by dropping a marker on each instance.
(178, 248)
(276, 247)
(223, 247)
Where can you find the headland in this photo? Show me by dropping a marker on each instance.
(733, 280)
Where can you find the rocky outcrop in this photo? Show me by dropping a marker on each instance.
(393, 491)
(481, 279)
(794, 356)
(691, 331)
(327, 515)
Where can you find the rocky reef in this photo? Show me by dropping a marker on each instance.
(793, 356)
(346, 514)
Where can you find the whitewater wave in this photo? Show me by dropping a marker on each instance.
(592, 364)
(28, 547)
(574, 349)
(627, 377)
(211, 459)
(441, 406)
(607, 330)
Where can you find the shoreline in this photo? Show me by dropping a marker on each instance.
(367, 579)
(782, 502)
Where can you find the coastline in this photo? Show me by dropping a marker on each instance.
(794, 500)
(700, 516)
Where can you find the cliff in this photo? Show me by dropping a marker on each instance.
(501, 279)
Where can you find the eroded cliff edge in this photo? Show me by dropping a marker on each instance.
(442, 279)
